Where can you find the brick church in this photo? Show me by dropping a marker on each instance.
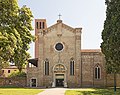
(60, 61)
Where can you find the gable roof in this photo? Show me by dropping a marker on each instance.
(63, 25)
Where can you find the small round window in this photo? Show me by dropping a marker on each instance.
(59, 46)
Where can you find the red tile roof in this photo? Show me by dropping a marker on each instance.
(91, 50)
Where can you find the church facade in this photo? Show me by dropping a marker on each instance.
(60, 61)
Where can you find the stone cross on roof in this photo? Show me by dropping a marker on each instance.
(59, 16)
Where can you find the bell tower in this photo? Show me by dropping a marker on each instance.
(40, 27)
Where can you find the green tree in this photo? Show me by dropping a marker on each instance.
(15, 36)
(17, 74)
(23, 27)
(111, 37)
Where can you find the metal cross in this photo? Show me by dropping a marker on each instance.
(59, 16)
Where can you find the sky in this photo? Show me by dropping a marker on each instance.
(86, 14)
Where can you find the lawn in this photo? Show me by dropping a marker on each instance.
(92, 92)
(19, 91)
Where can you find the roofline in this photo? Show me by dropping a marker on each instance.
(90, 50)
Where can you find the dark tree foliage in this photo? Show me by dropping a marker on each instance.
(111, 36)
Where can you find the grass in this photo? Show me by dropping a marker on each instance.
(91, 91)
(19, 91)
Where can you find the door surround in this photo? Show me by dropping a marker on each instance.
(59, 72)
(31, 82)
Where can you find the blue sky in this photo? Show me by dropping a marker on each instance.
(88, 14)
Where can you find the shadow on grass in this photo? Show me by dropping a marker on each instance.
(9, 87)
(99, 92)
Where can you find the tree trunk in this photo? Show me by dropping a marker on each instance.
(115, 83)
(20, 69)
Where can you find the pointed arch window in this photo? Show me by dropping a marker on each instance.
(40, 25)
(46, 67)
(72, 63)
(97, 72)
(37, 25)
(43, 25)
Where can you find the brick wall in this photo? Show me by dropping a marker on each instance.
(110, 80)
(17, 81)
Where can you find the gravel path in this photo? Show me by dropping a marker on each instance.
(53, 91)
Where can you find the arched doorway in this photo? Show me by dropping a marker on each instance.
(59, 76)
